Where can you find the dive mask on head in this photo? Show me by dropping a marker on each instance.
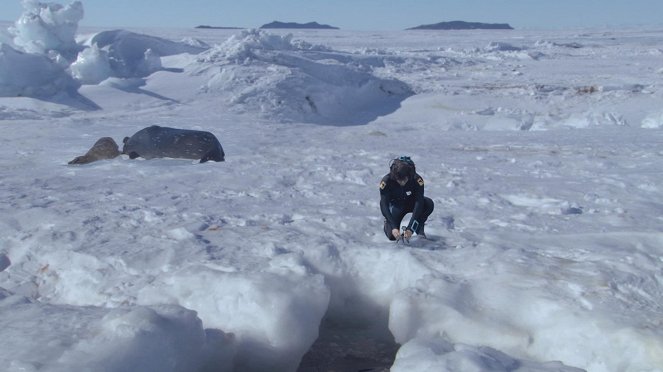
(406, 159)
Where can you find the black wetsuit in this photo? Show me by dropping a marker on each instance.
(396, 201)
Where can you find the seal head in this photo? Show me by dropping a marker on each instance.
(104, 148)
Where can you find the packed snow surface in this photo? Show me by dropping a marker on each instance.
(542, 152)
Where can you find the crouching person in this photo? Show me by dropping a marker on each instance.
(402, 192)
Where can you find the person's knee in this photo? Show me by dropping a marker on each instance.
(430, 205)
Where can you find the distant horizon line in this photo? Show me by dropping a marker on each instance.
(84, 24)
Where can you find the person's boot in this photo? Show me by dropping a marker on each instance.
(421, 231)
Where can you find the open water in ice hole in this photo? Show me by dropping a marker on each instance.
(350, 348)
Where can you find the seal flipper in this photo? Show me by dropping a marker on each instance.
(133, 155)
(79, 160)
(212, 155)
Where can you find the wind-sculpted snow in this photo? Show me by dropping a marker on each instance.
(297, 82)
(45, 28)
(442, 356)
(447, 310)
(136, 55)
(31, 75)
(249, 44)
(124, 54)
(5, 36)
(94, 66)
(157, 338)
(236, 306)
(49, 30)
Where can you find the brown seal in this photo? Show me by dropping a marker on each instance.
(104, 148)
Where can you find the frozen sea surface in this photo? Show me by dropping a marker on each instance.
(541, 150)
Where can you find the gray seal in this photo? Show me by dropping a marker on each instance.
(104, 148)
(162, 142)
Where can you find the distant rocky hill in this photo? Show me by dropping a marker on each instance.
(219, 27)
(461, 25)
(310, 25)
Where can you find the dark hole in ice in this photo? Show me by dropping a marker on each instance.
(350, 348)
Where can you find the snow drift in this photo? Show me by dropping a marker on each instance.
(156, 338)
(297, 82)
(124, 54)
(48, 28)
(31, 75)
(276, 76)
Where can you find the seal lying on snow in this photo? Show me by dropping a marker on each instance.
(162, 142)
(104, 148)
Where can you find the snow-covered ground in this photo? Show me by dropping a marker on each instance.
(542, 151)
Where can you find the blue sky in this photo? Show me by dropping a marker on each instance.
(362, 14)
